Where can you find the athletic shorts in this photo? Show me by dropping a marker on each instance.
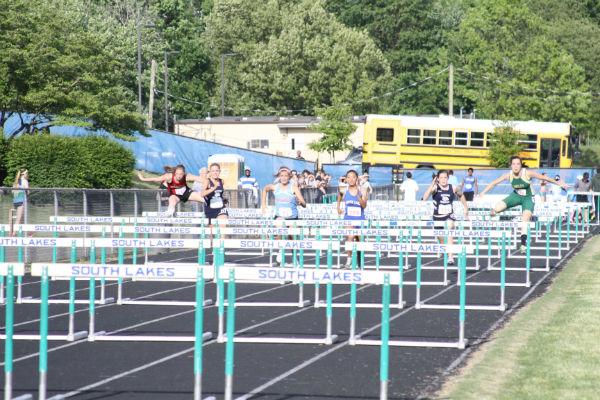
(287, 219)
(469, 195)
(514, 199)
(211, 213)
(186, 195)
(449, 217)
(17, 205)
(581, 198)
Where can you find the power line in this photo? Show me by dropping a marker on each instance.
(311, 109)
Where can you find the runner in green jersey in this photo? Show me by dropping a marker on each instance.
(520, 180)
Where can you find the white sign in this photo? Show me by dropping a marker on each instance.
(149, 271)
(277, 244)
(18, 268)
(308, 275)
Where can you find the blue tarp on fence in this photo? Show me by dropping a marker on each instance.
(163, 148)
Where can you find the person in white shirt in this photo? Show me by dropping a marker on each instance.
(558, 193)
(409, 188)
(365, 185)
(452, 179)
(198, 206)
(249, 187)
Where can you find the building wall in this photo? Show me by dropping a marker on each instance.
(281, 141)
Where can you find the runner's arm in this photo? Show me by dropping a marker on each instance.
(267, 188)
(430, 190)
(339, 203)
(299, 196)
(493, 183)
(164, 177)
(546, 178)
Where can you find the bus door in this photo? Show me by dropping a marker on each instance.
(549, 153)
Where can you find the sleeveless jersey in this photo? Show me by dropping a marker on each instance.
(442, 201)
(521, 184)
(286, 205)
(175, 186)
(215, 199)
(353, 209)
(469, 185)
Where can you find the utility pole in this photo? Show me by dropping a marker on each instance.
(139, 62)
(166, 82)
(450, 89)
(223, 80)
(153, 70)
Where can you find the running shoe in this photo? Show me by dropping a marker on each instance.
(348, 264)
(523, 249)
(451, 262)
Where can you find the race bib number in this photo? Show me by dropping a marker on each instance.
(354, 211)
(216, 202)
(180, 191)
(285, 212)
(444, 209)
(521, 192)
(468, 186)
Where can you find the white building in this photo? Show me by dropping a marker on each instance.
(282, 136)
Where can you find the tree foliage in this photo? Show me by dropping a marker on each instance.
(60, 161)
(511, 69)
(504, 145)
(294, 56)
(54, 66)
(336, 128)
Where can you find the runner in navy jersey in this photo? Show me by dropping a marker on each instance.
(443, 195)
(216, 204)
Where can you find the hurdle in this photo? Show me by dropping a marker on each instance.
(10, 270)
(461, 341)
(233, 274)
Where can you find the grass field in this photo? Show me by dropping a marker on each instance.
(548, 350)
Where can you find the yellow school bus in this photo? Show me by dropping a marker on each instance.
(446, 142)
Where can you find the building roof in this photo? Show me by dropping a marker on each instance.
(282, 121)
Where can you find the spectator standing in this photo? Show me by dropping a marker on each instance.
(20, 186)
(249, 187)
(543, 189)
(595, 187)
(582, 185)
(299, 155)
(469, 186)
(198, 186)
(452, 180)
(409, 188)
(365, 185)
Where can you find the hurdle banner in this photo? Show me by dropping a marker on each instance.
(129, 220)
(148, 271)
(277, 244)
(409, 247)
(307, 275)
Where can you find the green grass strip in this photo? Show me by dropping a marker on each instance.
(549, 350)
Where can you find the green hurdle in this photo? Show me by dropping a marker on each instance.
(43, 361)
(229, 346)
(385, 337)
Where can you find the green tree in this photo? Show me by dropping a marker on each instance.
(294, 58)
(60, 161)
(508, 67)
(504, 145)
(54, 65)
(336, 128)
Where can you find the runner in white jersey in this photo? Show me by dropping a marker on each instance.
(287, 198)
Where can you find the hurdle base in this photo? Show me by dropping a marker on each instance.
(23, 397)
(283, 340)
(411, 343)
(267, 304)
(31, 300)
(467, 307)
(322, 303)
(34, 336)
(129, 301)
(149, 338)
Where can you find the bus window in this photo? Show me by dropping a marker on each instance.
(429, 137)
(477, 139)
(385, 135)
(461, 138)
(530, 142)
(564, 147)
(445, 138)
(413, 136)
(488, 139)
